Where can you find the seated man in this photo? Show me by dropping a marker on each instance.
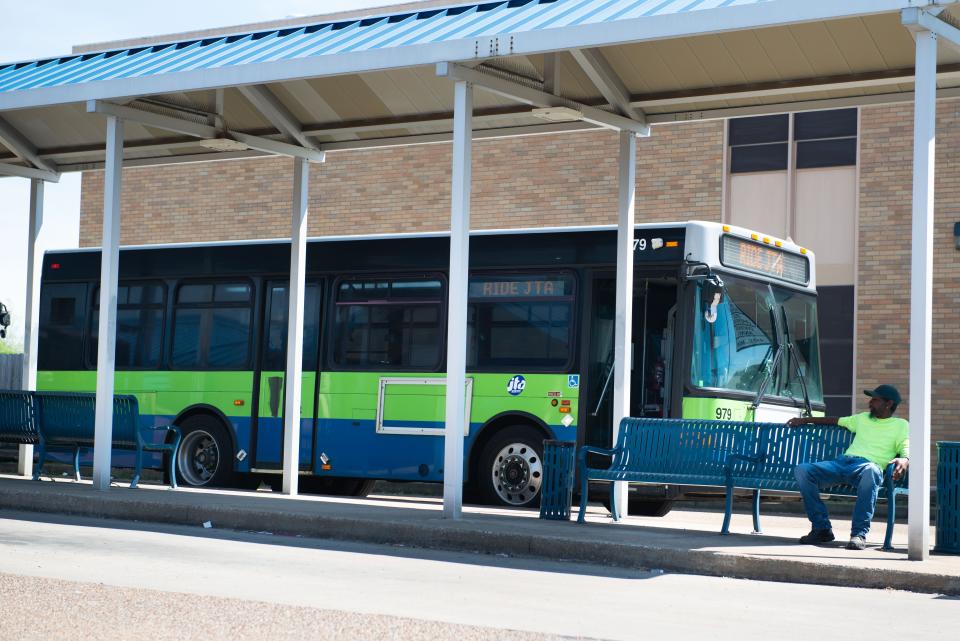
(880, 440)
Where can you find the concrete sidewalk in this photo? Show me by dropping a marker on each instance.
(684, 541)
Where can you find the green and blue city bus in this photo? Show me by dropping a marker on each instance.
(725, 327)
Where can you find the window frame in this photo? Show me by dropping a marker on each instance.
(204, 347)
(331, 329)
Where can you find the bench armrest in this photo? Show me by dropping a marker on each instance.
(590, 449)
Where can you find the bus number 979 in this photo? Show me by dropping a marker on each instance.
(724, 414)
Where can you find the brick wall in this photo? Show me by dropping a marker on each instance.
(883, 296)
(517, 182)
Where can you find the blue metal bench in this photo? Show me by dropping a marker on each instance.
(66, 420)
(17, 424)
(780, 449)
(728, 454)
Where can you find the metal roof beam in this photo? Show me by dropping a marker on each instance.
(23, 148)
(207, 132)
(606, 80)
(536, 98)
(917, 19)
(28, 172)
(276, 113)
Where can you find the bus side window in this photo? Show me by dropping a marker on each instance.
(389, 323)
(139, 326)
(63, 308)
(212, 326)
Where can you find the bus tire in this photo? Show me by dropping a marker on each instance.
(643, 507)
(333, 486)
(511, 468)
(205, 457)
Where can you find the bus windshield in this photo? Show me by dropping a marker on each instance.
(739, 330)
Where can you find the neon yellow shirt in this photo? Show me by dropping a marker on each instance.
(879, 440)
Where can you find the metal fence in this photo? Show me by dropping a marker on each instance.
(11, 371)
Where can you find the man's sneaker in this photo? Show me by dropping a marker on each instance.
(817, 536)
(857, 543)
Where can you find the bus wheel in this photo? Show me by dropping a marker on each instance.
(643, 507)
(204, 455)
(511, 469)
(336, 486)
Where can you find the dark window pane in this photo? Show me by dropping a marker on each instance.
(394, 336)
(232, 293)
(275, 348)
(186, 338)
(229, 338)
(758, 158)
(195, 294)
(826, 153)
(139, 338)
(835, 123)
(760, 129)
(62, 315)
(519, 322)
(62, 311)
(417, 289)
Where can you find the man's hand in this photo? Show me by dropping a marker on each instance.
(900, 466)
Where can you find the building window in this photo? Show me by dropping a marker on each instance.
(759, 144)
(822, 139)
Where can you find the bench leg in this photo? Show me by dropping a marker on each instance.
(728, 510)
(76, 464)
(137, 470)
(176, 448)
(581, 517)
(891, 518)
(41, 459)
(756, 512)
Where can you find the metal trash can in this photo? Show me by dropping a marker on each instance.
(556, 490)
(948, 498)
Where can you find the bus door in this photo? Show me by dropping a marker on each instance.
(268, 418)
(654, 308)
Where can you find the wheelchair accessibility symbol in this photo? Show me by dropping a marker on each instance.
(573, 380)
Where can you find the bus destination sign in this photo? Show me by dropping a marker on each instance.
(759, 258)
(520, 288)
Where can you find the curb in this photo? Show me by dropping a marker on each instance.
(469, 535)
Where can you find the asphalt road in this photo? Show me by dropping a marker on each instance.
(63, 578)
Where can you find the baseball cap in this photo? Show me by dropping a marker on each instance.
(889, 392)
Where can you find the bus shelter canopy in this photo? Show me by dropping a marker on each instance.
(369, 81)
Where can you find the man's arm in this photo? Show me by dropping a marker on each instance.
(813, 420)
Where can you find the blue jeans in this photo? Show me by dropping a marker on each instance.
(849, 470)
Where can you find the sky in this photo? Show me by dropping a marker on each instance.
(47, 28)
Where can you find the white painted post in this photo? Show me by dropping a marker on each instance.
(921, 294)
(623, 352)
(294, 374)
(457, 302)
(107, 333)
(32, 315)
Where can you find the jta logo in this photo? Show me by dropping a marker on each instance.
(516, 385)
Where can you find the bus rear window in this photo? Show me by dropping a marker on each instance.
(63, 309)
(520, 322)
(389, 324)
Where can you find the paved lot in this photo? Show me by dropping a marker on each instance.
(67, 577)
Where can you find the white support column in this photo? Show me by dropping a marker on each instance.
(32, 315)
(294, 378)
(107, 333)
(457, 301)
(921, 294)
(623, 342)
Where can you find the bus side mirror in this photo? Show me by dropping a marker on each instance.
(711, 314)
